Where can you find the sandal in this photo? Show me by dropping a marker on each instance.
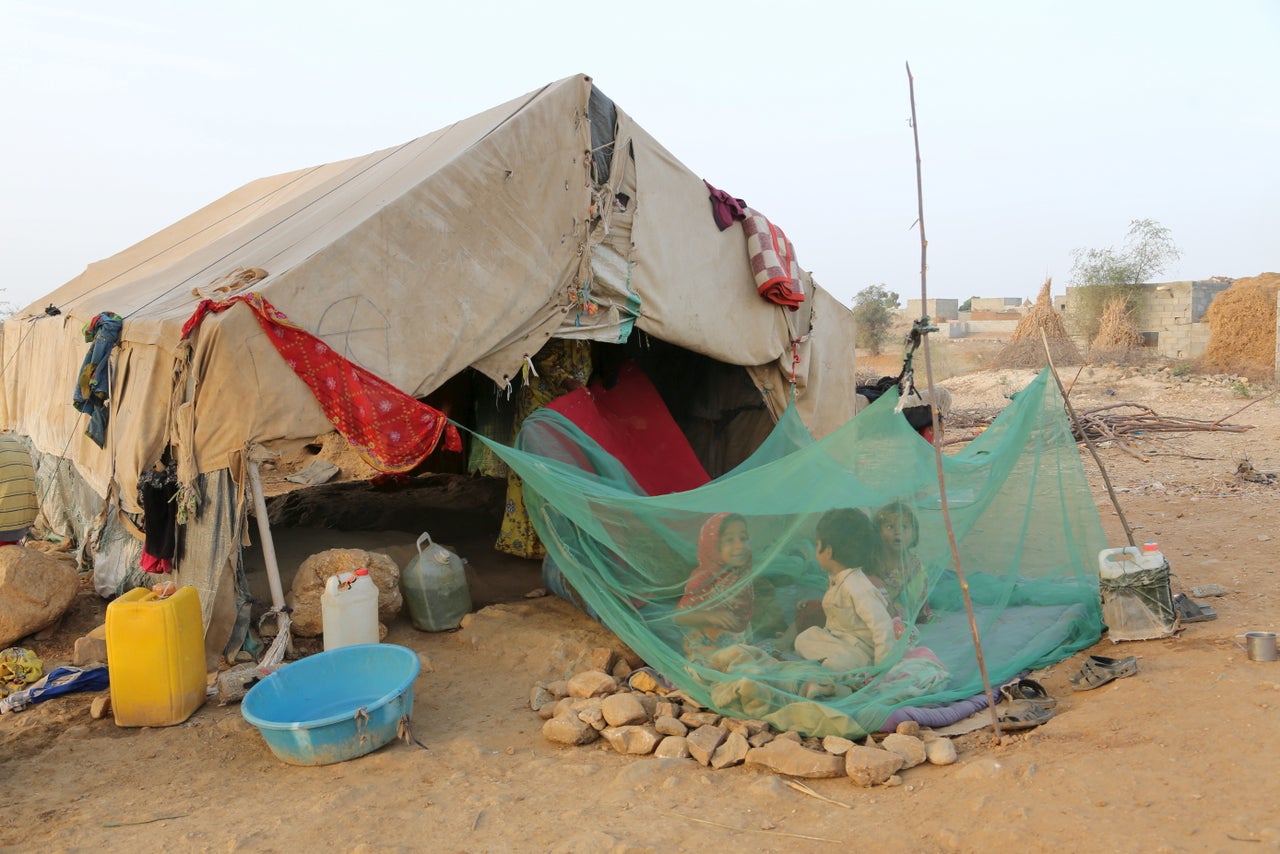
(1098, 670)
(1191, 611)
(1023, 714)
(1028, 689)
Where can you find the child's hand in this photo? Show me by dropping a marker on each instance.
(897, 627)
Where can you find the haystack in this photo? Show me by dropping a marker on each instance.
(1118, 339)
(1242, 327)
(1026, 345)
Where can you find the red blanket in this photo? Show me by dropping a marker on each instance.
(391, 430)
(631, 422)
(773, 261)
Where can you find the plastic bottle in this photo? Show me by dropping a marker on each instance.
(1150, 556)
(1115, 563)
(349, 609)
(435, 589)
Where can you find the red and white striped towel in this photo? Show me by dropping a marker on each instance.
(773, 261)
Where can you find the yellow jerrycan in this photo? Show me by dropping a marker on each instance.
(155, 657)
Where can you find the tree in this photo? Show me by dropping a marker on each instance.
(1101, 275)
(873, 313)
(967, 305)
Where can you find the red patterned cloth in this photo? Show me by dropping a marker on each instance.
(391, 430)
(773, 261)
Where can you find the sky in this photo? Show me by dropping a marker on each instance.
(1044, 127)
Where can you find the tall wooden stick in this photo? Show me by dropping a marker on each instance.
(1075, 422)
(937, 444)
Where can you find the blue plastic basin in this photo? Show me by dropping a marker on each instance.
(335, 705)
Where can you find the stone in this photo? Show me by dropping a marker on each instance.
(600, 658)
(760, 739)
(908, 728)
(910, 748)
(100, 707)
(693, 720)
(784, 756)
(746, 728)
(590, 711)
(539, 696)
(871, 766)
(667, 709)
(621, 671)
(648, 702)
(632, 740)
(673, 747)
(703, 742)
(622, 710)
(836, 746)
(89, 650)
(592, 683)
(566, 729)
(788, 736)
(312, 575)
(670, 726)
(559, 688)
(685, 700)
(940, 751)
(563, 706)
(1202, 590)
(732, 752)
(548, 711)
(35, 591)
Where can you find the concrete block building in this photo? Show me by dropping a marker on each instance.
(1170, 316)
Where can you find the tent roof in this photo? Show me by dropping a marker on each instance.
(468, 246)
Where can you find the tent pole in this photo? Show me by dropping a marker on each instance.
(937, 436)
(282, 642)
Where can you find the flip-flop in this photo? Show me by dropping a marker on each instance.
(1028, 689)
(1098, 670)
(1191, 611)
(1023, 714)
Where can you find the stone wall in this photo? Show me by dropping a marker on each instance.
(996, 304)
(937, 309)
(1170, 316)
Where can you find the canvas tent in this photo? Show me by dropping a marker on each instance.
(467, 247)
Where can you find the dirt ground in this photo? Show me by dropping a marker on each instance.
(1175, 758)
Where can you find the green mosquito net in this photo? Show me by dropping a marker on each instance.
(723, 589)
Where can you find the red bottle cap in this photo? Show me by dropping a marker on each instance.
(1151, 547)
(362, 571)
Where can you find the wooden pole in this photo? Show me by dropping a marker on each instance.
(937, 441)
(1079, 428)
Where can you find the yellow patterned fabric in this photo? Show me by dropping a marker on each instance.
(18, 505)
(560, 366)
(18, 668)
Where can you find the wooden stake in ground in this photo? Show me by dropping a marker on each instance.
(1075, 423)
(937, 443)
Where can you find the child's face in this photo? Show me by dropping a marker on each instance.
(896, 532)
(735, 545)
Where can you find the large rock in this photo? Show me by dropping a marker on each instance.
(309, 582)
(35, 590)
(871, 766)
(785, 756)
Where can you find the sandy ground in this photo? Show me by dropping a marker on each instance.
(1176, 758)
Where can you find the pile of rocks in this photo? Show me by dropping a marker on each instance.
(644, 719)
